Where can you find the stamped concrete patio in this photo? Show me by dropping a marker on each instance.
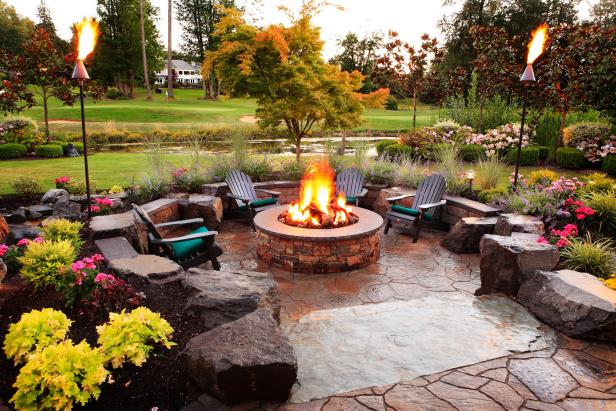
(407, 333)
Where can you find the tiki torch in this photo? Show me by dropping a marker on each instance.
(535, 48)
(87, 33)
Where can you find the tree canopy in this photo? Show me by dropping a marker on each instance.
(14, 29)
(359, 54)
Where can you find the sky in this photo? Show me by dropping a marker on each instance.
(411, 17)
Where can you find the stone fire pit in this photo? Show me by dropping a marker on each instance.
(310, 250)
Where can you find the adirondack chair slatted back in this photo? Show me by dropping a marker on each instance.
(151, 226)
(350, 182)
(240, 185)
(430, 190)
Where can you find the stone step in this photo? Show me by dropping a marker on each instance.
(115, 247)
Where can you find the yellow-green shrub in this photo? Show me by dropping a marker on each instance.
(128, 336)
(543, 177)
(58, 376)
(598, 182)
(604, 204)
(43, 264)
(34, 332)
(62, 229)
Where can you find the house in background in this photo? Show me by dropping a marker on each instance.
(184, 73)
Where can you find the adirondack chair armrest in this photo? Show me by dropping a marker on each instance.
(398, 198)
(274, 194)
(180, 222)
(184, 238)
(245, 200)
(362, 193)
(425, 207)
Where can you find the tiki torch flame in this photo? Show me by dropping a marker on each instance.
(535, 48)
(87, 33)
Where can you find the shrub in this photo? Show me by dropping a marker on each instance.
(609, 165)
(58, 376)
(449, 166)
(78, 187)
(598, 182)
(21, 130)
(113, 93)
(488, 196)
(291, 169)
(26, 186)
(184, 179)
(381, 171)
(34, 332)
(604, 204)
(500, 140)
(588, 137)
(540, 203)
(62, 229)
(410, 173)
(399, 152)
(12, 150)
(570, 157)
(542, 177)
(489, 171)
(11, 258)
(588, 256)
(544, 152)
(49, 150)
(497, 111)
(45, 263)
(528, 157)
(381, 145)
(128, 336)
(547, 132)
(259, 168)
(471, 152)
(78, 147)
(391, 103)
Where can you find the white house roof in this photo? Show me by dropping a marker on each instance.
(184, 65)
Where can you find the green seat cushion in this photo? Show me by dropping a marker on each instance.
(409, 211)
(351, 200)
(260, 203)
(184, 249)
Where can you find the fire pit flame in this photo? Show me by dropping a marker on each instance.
(317, 206)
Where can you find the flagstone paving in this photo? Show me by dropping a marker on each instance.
(428, 291)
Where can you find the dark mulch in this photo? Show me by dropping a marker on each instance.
(12, 202)
(160, 382)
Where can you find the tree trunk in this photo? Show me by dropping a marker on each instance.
(342, 148)
(46, 114)
(144, 57)
(298, 147)
(169, 51)
(204, 88)
(210, 84)
(219, 87)
(414, 107)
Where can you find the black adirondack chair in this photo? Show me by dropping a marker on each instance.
(428, 199)
(351, 183)
(245, 195)
(189, 250)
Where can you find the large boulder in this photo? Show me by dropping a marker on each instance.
(4, 229)
(245, 360)
(510, 223)
(53, 195)
(21, 231)
(64, 208)
(219, 297)
(506, 262)
(464, 237)
(576, 304)
(121, 225)
(147, 268)
(203, 206)
(18, 216)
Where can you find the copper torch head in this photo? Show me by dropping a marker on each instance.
(529, 74)
(80, 72)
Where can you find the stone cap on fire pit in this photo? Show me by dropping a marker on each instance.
(267, 222)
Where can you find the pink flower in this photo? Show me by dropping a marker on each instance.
(77, 266)
(95, 209)
(23, 242)
(102, 277)
(562, 242)
(97, 258)
(542, 240)
(580, 216)
(38, 240)
(62, 180)
(178, 172)
(104, 202)
(3, 249)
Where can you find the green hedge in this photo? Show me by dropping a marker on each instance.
(570, 157)
(528, 157)
(472, 152)
(609, 165)
(49, 150)
(487, 196)
(381, 145)
(399, 151)
(78, 147)
(544, 152)
(12, 150)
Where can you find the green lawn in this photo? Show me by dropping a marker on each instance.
(189, 111)
(108, 169)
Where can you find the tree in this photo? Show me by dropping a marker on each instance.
(603, 13)
(144, 56)
(169, 51)
(44, 70)
(198, 19)
(403, 67)
(359, 54)
(46, 22)
(282, 67)
(14, 29)
(118, 56)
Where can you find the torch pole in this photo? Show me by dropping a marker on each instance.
(519, 157)
(85, 149)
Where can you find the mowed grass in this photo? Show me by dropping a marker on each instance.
(188, 110)
(108, 169)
